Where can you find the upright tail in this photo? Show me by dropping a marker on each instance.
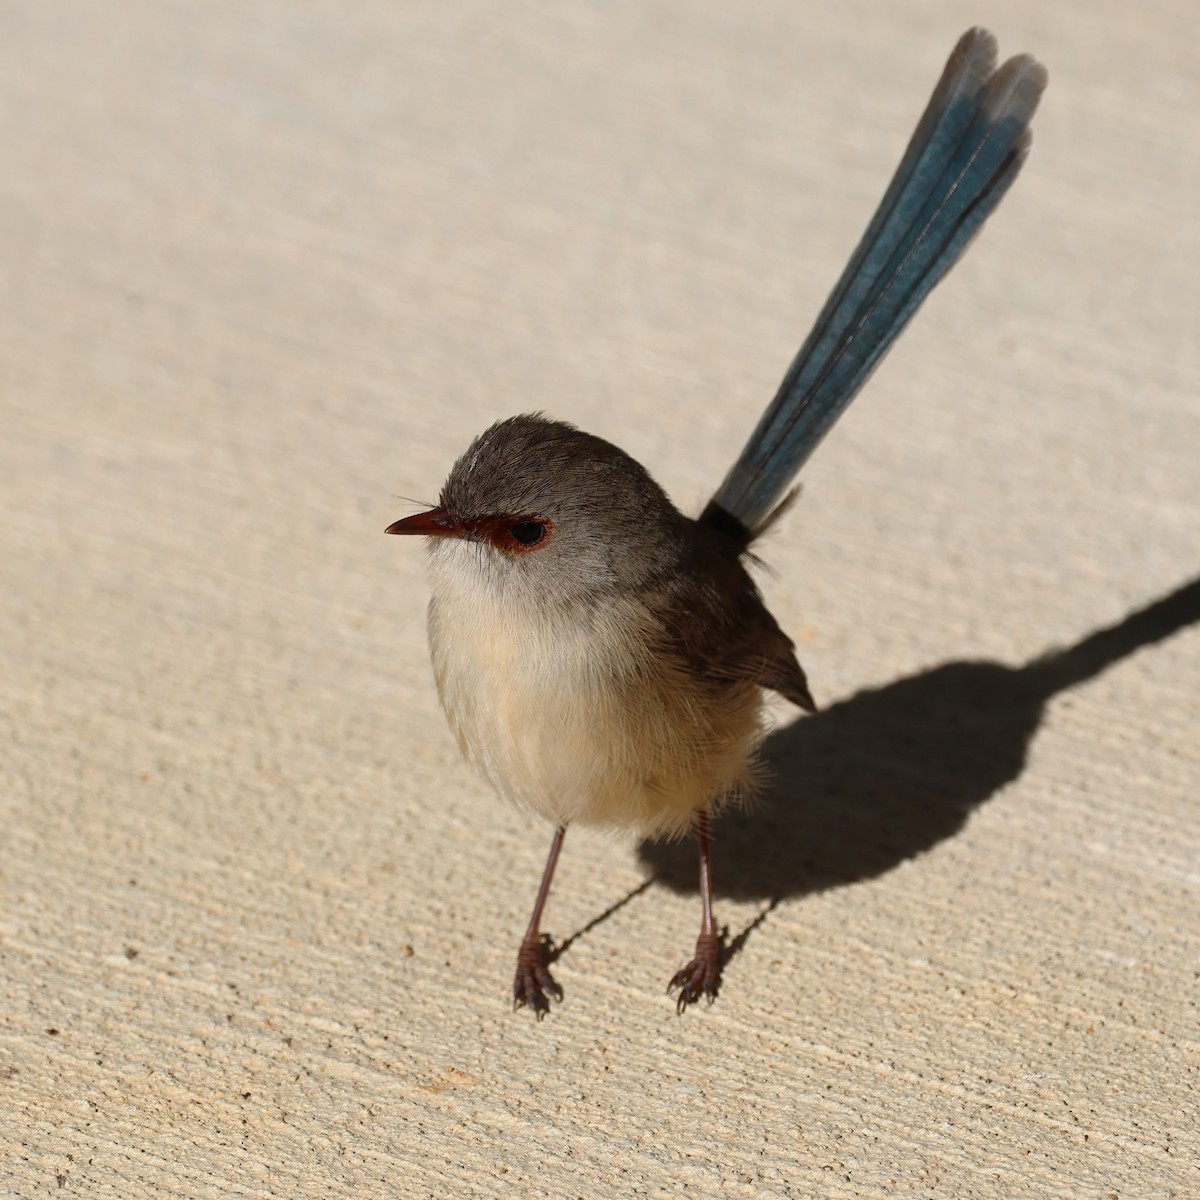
(964, 155)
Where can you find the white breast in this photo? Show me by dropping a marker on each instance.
(578, 717)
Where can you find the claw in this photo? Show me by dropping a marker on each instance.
(701, 977)
(533, 979)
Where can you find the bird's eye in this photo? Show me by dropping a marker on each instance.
(528, 533)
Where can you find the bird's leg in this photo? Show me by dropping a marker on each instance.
(702, 976)
(533, 979)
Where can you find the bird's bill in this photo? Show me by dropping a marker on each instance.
(437, 522)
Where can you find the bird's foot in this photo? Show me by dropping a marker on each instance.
(533, 979)
(702, 976)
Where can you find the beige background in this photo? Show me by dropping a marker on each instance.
(266, 268)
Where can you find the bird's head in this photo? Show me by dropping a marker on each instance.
(537, 506)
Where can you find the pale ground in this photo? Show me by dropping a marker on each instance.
(266, 268)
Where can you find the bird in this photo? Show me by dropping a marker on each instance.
(603, 659)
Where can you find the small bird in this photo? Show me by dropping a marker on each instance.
(600, 656)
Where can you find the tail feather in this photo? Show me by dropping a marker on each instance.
(964, 155)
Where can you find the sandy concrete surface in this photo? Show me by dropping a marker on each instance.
(264, 269)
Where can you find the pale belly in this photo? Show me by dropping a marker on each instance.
(581, 724)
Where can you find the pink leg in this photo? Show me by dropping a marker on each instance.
(702, 976)
(533, 979)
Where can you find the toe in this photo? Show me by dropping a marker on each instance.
(533, 985)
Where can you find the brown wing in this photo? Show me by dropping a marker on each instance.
(717, 622)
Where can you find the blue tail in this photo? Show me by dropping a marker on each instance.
(967, 150)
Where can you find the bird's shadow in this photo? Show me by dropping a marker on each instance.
(888, 773)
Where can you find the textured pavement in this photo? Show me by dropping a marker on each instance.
(264, 270)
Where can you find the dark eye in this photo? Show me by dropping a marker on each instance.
(528, 533)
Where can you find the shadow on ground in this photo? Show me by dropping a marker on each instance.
(880, 777)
